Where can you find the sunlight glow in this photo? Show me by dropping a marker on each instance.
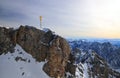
(68, 18)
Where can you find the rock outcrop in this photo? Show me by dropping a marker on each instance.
(58, 51)
(6, 43)
(91, 64)
(105, 49)
(46, 46)
(42, 45)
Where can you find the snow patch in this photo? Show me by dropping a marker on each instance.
(78, 73)
(9, 68)
(46, 29)
(85, 71)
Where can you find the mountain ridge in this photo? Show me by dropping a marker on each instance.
(42, 45)
(29, 46)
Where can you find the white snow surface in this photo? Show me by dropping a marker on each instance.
(85, 72)
(46, 29)
(9, 68)
(78, 73)
(84, 68)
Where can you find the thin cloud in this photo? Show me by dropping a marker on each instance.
(82, 17)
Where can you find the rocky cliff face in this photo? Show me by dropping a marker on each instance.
(53, 54)
(106, 50)
(42, 45)
(6, 43)
(89, 65)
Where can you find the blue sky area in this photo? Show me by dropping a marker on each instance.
(68, 18)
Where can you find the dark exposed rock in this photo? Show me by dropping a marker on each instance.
(20, 58)
(23, 73)
(71, 68)
(29, 39)
(5, 40)
(100, 67)
(59, 51)
(97, 66)
(105, 49)
(41, 45)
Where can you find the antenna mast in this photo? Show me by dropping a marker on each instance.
(40, 21)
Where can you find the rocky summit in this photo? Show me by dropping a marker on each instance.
(33, 53)
(42, 45)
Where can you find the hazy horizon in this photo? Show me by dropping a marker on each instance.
(68, 18)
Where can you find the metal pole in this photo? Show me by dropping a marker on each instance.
(40, 21)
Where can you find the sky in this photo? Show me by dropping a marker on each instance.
(68, 18)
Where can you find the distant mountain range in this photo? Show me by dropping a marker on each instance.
(100, 40)
(96, 58)
(108, 49)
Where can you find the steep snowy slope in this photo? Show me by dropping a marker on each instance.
(95, 67)
(106, 50)
(82, 71)
(20, 64)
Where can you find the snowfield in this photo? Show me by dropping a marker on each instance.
(25, 67)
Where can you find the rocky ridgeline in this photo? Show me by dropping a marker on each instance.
(42, 45)
(60, 60)
(106, 50)
(88, 65)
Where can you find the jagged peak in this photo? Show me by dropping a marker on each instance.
(41, 45)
